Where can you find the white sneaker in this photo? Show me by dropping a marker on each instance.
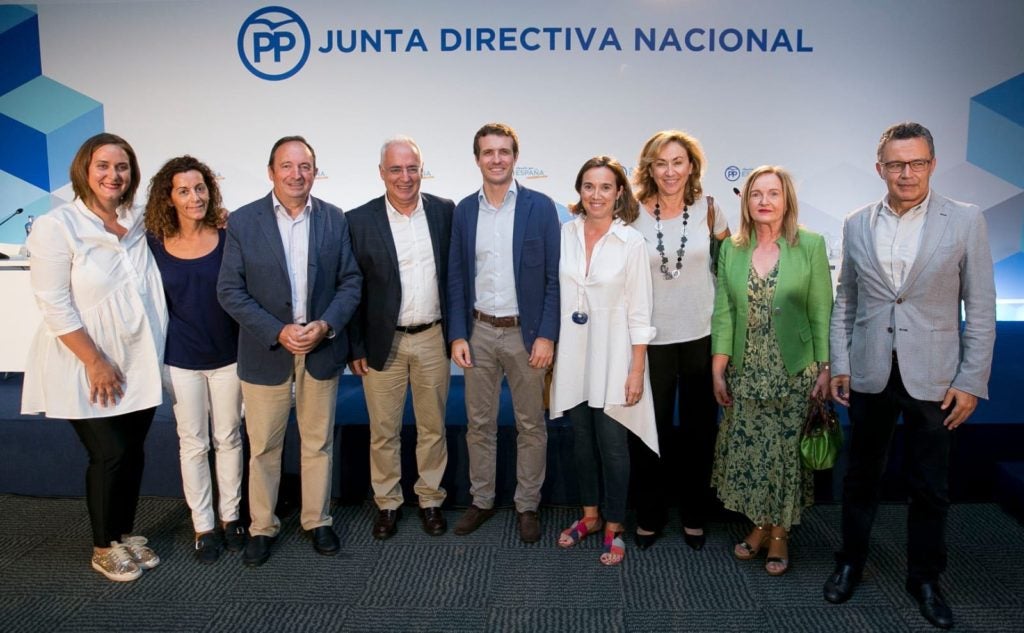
(143, 556)
(116, 564)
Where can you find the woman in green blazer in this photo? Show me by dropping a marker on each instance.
(769, 344)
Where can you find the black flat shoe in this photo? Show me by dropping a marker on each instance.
(644, 541)
(257, 550)
(325, 541)
(933, 605)
(695, 541)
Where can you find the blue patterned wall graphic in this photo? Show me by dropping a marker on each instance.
(995, 137)
(42, 123)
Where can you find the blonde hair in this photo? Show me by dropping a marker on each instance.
(790, 229)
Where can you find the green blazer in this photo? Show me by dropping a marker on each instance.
(801, 308)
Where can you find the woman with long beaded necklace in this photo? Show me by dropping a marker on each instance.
(674, 222)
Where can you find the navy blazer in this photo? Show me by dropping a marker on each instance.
(253, 288)
(372, 330)
(535, 253)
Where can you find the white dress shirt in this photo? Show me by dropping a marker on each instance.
(897, 239)
(593, 359)
(295, 238)
(495, 270)
(84, 277)
(421, 302)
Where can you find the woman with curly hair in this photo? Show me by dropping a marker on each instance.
(183, 215)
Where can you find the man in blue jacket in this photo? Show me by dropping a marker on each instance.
(290, 280)
(503, 311)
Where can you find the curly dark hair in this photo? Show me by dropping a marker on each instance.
(161, 217)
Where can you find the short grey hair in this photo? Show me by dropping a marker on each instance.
(904, 131)
(403, 140)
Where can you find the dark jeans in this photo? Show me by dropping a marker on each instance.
(926, 467)
(683, 472)
(114, 475)
(602, 460)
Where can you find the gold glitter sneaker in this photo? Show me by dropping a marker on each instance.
(143, 556)
(116, 564)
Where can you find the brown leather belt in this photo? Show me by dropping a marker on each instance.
(509, 321)
(416, 329)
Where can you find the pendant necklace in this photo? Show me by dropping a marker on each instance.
(673, 274)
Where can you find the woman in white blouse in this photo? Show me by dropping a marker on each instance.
(96, 357)
(600, 378)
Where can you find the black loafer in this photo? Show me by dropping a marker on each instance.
(325, 541)
(933, 605)
(840, 585)
(386, 524)
(257, 550)
(433, 520)
(207, 548)
(235, 536)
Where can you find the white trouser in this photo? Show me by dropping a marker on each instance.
(201, 399)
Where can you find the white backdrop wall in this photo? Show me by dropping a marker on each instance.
(171, 80)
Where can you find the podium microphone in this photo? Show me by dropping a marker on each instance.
(16, 212)
(3, 222)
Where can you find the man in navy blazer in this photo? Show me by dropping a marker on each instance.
(288, 277)
(400, 241)
(901, 345)
(503, 321)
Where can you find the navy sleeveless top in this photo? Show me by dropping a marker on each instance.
(200, 334)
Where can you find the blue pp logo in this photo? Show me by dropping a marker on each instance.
(732, 173)
(273, 43)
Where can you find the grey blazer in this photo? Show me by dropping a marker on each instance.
(921, 321)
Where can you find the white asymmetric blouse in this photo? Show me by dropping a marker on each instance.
(85, 277)
(594, 358)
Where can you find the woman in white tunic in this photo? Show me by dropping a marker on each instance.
(96, 357)
(600, 378)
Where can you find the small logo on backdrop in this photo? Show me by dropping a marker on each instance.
(273, 43)
(732, 173)
(529, 173)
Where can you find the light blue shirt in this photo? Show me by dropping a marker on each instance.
(495, 272)
(295, 239)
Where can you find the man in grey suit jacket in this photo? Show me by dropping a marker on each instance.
(899, 347)
(400, 241)
(288, 277)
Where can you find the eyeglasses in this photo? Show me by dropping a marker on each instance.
(408, 171)
(897, 166)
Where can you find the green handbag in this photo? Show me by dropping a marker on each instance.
(822, 436)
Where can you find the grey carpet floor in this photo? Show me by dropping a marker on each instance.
(489, 581)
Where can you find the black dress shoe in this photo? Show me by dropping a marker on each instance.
(257, 550)
(234, 536)
(433, 520)
(386, 524)
(207, 548)
(325, 541)
(695, 541)
(644, 541)
(840, 585)
(933, 605)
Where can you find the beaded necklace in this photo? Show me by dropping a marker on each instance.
(661, 245)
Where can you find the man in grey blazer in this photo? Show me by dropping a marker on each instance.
(400, 241)
(288, 277)
(899, 346)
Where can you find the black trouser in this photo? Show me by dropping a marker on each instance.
(926, 467)
(601, 454)
(114, 475)
(683, 472)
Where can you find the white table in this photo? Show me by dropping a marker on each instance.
(19, 316)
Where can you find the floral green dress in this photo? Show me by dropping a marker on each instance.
(757, 467)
